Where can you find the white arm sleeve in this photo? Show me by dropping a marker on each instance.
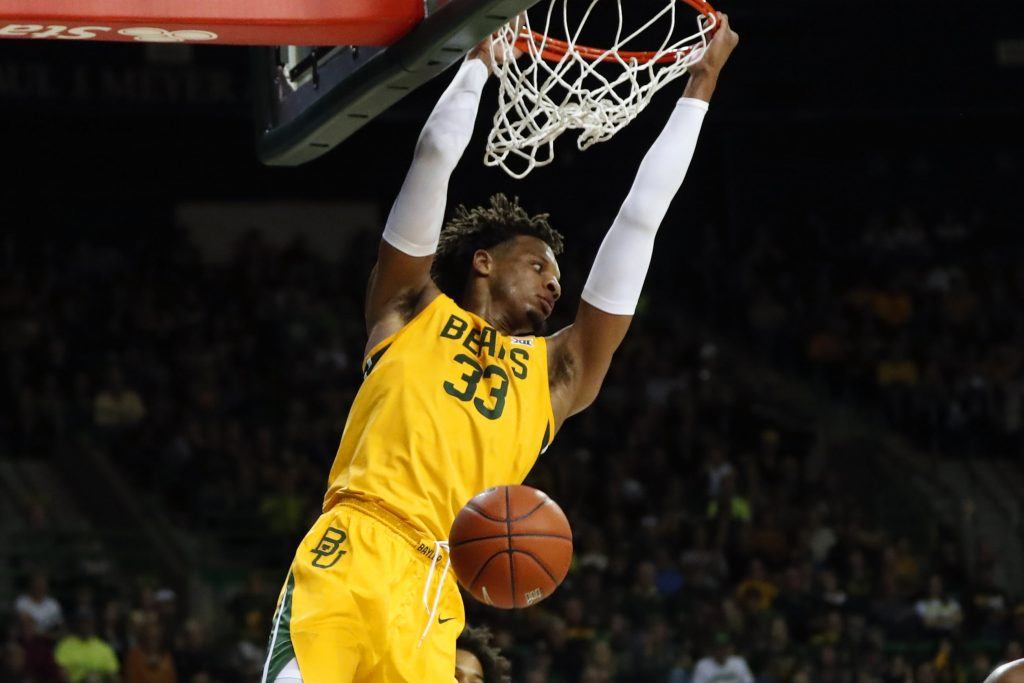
(620, 268)
(414, 223)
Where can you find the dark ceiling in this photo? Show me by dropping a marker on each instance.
(92, 121)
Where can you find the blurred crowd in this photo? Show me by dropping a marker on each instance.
(712, 540)
(135, 632)
(901, 302)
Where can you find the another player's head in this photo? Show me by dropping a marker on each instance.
(501, 255)
(477, 661)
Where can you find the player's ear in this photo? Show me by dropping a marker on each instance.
(483, 262)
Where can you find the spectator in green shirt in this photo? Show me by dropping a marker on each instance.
(730, 512)
(84, 657)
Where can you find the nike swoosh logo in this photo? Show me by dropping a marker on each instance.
(441, 621)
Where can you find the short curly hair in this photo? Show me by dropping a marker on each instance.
(478, 642)
(484, 227)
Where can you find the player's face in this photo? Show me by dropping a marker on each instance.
(528, 284)
(468, 668)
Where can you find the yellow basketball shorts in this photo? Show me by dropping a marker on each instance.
(352, 608)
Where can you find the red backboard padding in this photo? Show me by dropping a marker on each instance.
(245, 22)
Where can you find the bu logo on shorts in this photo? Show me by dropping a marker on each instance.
(327, 548)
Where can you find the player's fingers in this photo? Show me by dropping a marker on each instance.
(733, 36)
(714, 23)
(725, 30)
(519, 23)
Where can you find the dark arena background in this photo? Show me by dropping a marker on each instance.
(808, 452)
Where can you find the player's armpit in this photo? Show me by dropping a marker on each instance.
(579, 357)
(399, 284)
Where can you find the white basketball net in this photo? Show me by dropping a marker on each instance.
(539, 100)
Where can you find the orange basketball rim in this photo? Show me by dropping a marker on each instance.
(554, 49)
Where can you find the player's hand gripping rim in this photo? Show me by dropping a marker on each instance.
(716, 54)
(493, 52)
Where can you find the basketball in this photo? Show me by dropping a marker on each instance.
(510, 546)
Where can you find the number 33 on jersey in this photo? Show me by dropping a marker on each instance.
(446, 399)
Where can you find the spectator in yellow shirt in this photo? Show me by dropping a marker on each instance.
(84, 656)
(117, 405)
(756, 591)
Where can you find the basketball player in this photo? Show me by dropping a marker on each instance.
(477, 660)
(461, 391)
(1008, 673)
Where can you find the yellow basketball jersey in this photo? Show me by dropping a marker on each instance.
(449, 406)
